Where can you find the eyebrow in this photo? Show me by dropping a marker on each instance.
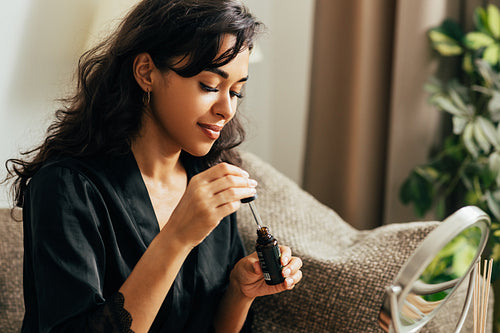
(223, 73)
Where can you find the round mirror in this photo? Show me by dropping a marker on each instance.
(434, 271)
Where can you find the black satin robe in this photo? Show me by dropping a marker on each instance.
(86, 224)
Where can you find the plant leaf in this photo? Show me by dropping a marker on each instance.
(491, 54)
(457, 100)
(485, 71)
(493, 20)
(452, 29)
(493, 205)
(480, 20)
(494, 106)
(458, 124)
(446, 104)
(467, 65)
(419, 191)
(480, 137)
(496, 251)
(476, 40)
(444, 44)
(494, 165)
(489, 131)
(441, 208)
(498, 130)
(468, 140)
(428, 173)
(433, 86)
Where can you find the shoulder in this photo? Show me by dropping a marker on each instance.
(63, 182)
(60, 182)
(57, 172)
(97, 170)
(96, 181)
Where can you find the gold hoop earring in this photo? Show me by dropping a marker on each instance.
(146, 99)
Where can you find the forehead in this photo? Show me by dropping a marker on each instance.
(238, 66)
(240, 61)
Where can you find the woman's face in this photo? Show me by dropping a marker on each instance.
(189, 113)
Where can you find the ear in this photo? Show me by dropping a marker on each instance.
(143, 67)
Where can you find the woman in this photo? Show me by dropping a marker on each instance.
(129, 204)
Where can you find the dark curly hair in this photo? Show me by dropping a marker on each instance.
(104, 114)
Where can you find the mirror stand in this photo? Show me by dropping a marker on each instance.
(392, 293)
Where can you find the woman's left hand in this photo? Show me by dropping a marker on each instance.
(247, 274)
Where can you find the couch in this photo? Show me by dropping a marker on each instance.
(345, 271)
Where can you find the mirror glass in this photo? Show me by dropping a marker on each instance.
(441, 276)
(435, 270)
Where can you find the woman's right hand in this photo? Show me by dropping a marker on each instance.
(210, 196)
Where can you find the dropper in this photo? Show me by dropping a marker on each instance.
(255, 213)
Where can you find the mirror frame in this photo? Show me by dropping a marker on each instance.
(437, 239)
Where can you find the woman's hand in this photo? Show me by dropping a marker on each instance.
(247, 282)
(247, 274)
(210, 196)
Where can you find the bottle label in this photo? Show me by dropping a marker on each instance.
(263, 265)
(270, 262)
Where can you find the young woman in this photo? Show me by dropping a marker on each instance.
(129, 204)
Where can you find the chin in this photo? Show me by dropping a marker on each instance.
(199, 151)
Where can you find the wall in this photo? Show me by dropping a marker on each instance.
(41, 42)
(278, 91)
(43, 39)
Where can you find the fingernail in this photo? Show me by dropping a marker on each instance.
(287, 271)
(289, 282)
(285, 260)
(252, 182)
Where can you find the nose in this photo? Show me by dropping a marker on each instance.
(225, 107)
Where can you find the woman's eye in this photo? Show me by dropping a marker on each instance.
(236, 94)
(208, 88)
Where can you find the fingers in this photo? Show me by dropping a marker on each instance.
(292, 273)
(291, 268)
(226, 184)
(224, 169)
(232, 181)
(286, 254)
(234, 191)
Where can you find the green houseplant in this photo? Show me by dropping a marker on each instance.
(465, 168)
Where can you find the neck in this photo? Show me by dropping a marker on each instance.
(155, 159)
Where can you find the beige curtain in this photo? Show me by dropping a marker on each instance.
(369, 121)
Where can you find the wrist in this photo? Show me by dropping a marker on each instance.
(233, 309)
(170, 239)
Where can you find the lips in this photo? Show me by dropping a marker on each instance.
(211, 131)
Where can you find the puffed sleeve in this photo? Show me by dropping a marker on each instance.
(65, 256)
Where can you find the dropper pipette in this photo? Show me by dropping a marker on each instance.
(253, 209)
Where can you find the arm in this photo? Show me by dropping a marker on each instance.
(210, 196)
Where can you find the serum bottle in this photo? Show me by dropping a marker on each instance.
(267, 249)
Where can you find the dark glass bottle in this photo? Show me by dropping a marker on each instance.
(269, 256)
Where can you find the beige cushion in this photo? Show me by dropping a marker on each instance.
(345, 270)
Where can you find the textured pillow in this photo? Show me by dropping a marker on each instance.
(345, 271)
(11, 270)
